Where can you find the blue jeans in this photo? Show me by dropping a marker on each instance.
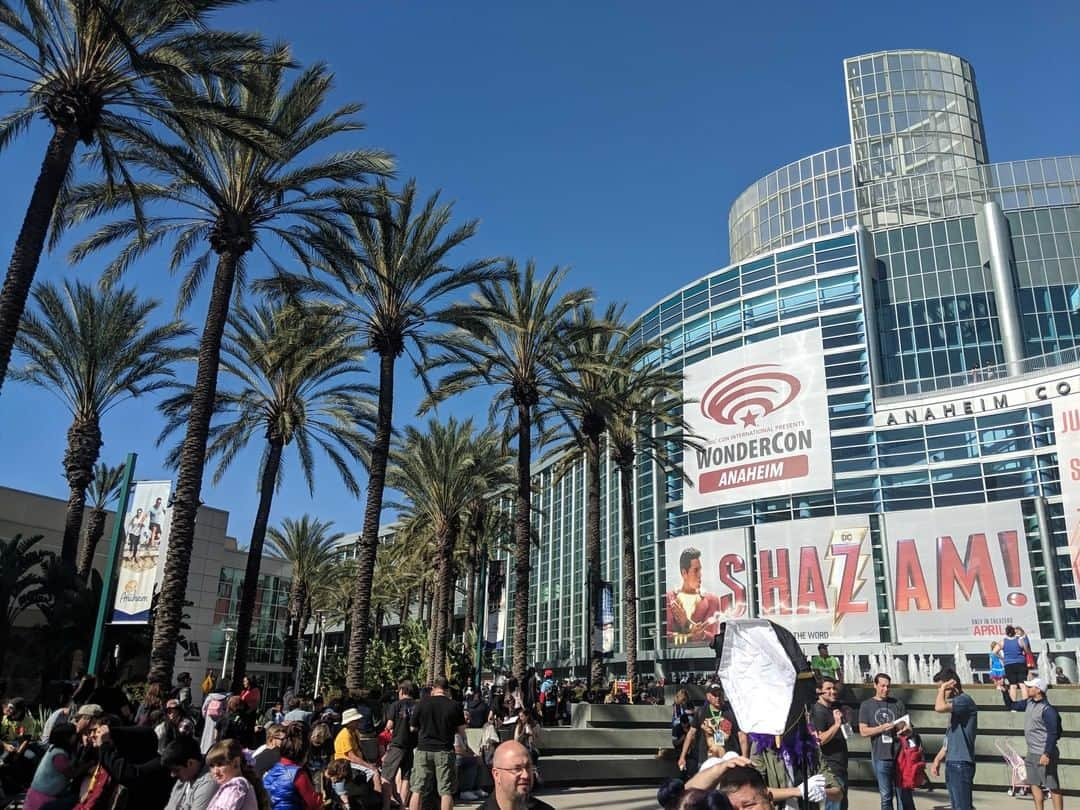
(959, 777)
(885, 771)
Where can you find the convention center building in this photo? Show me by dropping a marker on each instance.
(885, 387)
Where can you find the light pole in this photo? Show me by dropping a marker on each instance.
(225, 658)
(320, 624)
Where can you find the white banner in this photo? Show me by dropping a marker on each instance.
(144, 541)
(762, 417)
(1067, 436)
(816, 578)
(706, 584)
(960, 573)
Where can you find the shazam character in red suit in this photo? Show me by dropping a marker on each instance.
(692, 616)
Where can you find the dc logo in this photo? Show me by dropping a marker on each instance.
(748, 394)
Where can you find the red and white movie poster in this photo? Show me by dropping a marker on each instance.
(816, 578)
(960, 573)
(707, 580)
(1067, 434)
(761, 415)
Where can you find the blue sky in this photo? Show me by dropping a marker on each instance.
(610, 137)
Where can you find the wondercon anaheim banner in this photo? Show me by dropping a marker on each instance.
(960, 573)
(143, 544)
(761, 415)
(1067, 437)
(706, 584)
(816, 579)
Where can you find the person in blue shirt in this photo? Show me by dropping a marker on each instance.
(958, 751)
(1012, 653)
(1042, 728)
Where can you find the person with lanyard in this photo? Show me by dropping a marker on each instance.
(714, 728)
(878, 720)
(1042, 728)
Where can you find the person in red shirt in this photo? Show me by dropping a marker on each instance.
(251, 695)
(289, 781)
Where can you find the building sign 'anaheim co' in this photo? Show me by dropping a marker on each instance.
(761, 416)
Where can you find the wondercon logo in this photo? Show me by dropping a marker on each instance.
(748, 394)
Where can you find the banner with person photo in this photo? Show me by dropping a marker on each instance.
(495, 631)
(816, 578)
(960, 573)
(706, 584)
(604, 618)
(144, 540)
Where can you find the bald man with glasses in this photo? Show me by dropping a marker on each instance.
(512, 771)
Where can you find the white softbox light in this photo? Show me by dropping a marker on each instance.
(758, 676)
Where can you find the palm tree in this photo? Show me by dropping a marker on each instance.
(23, 582)
(395, 278)
(297, 370)
(309, 547)
(514, 337)
(442, 470)
(229, 194)
(95, 70)
(648, 424)
(103, 490)
(587, 398)
(93, 349)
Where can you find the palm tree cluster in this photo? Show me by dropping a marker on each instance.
(213, 147)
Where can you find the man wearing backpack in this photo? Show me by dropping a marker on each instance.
(1042, 728)
(958, 752)
(877, 720)
(548, 698)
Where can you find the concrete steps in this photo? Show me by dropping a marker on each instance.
(618, 745)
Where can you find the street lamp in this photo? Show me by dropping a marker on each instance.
(225, 658)
(320, 624)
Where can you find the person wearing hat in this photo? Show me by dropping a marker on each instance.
(549, 698)
(1042, 728)
(348, 746)
(195, 785)
(714, 728)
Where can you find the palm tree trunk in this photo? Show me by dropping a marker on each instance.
(83, 448)
(593, 574)
(369, 536)
(189, 480)
(473, 559)
(95, 528)
(406, 603)
(437, 620)
(522, 541)
(295, 626)
(629, 573)
(246, 609)
(31, 239)
(445, 608)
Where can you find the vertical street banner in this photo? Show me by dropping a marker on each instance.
(816, 578)
(706, 585)
(495, 633)
(1067, 435)
(604, 613)
(960, 573)
(761, 416)
(144, 541)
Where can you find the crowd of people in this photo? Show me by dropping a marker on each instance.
(104, 750)
(722, 767)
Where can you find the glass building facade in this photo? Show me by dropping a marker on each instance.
(946, 289)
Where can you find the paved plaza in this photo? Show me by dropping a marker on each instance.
(644, 798)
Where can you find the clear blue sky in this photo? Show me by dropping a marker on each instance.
(611, 137)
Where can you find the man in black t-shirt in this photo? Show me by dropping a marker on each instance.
(828, 720)
(398, 759)
(436, 720)
(714, 727)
